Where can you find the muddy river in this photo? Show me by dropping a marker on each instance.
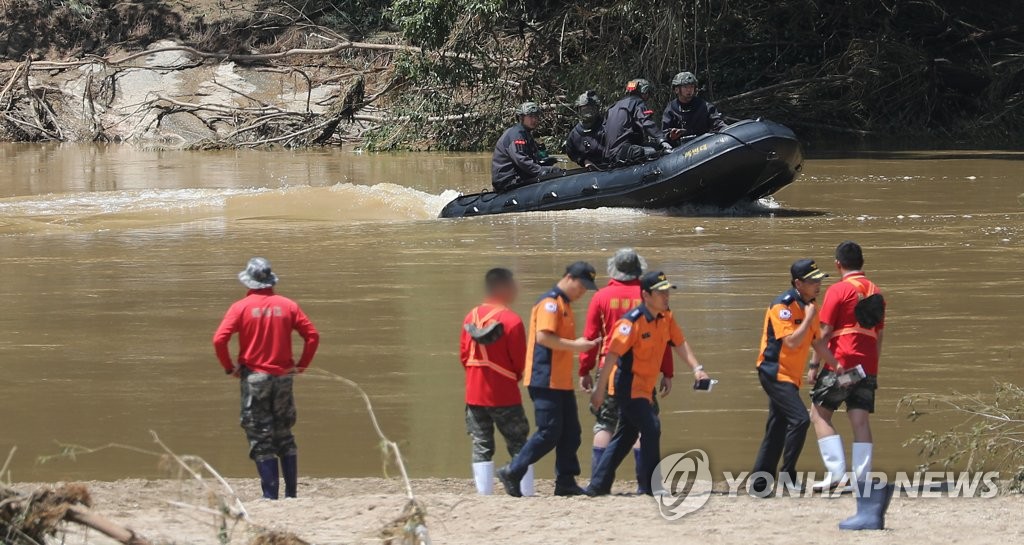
(117, 265)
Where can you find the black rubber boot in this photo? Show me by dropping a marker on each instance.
(269, 478)
(290, 471)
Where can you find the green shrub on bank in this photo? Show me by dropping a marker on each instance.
(987, 432)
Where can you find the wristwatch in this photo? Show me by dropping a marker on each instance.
(698, 369)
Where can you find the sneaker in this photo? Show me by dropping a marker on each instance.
(511, 485)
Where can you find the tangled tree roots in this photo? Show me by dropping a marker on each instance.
(277, 538)
(29, 520)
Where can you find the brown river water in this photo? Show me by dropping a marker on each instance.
(117, 265)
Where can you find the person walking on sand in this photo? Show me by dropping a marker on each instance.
(606, 308)
(493, 352)
(635, 352)
(790, 330)
(852, 321)
(264, 322)
(549, 378)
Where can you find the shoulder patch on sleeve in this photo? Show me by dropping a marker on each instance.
(551, 306)
(625, 328)
(785, 314)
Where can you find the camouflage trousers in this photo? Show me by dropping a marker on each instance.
(608, 414)
(268, 414)
(510, 421)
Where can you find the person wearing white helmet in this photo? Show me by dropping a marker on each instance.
(688, 115)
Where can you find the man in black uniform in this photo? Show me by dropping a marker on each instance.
(630, 134)
(688, 115)
(518, 160)
(585, 144)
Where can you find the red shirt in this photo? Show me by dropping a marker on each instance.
(851, 349)
(264, 323)
(607, 307)
(493, 372)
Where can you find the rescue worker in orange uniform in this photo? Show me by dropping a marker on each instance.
(853, 323)
(607, 307)
(492, 348)
(636, 350)
(790, 331)
(549, 379)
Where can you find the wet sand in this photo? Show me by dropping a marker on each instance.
(334, 511)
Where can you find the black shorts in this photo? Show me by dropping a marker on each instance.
(828, 394)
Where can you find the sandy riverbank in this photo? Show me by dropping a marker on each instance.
(334, 511)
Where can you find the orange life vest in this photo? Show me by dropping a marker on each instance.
(484, 360)
(864, 290)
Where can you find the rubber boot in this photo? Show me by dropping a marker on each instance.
(861, 458)
(595, 460)
(641, 486)
(290, 471)
(872, 504)
(483, 476)
(834, 456)
(526, 483)
(269, 478)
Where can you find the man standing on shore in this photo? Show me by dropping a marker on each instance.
(493, 351)
(607, 307)
(852, 321)
(549, 379)
(790, 330)
(264, 322)
(636, 351)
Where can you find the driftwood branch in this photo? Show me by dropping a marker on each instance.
(784, 85)
(110, 60)
(103, 525)
(33, 517)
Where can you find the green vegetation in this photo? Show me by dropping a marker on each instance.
(988, 431)
(943, 71)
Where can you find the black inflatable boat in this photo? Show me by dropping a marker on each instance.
(747, 161)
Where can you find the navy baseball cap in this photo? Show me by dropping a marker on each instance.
(806, 270)
(655, 281)
(584, 272)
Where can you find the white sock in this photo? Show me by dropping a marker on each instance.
(483, 476)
